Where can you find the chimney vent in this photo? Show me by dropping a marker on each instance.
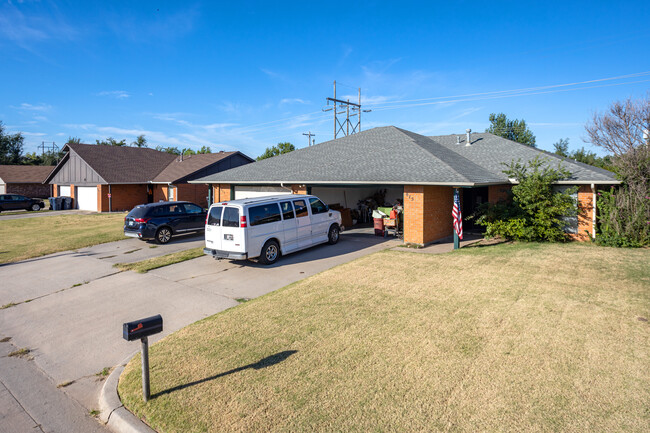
(469, 137)
(458, 139)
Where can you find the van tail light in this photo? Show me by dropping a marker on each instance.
(242, 221)
(142, 220)
(207, 215)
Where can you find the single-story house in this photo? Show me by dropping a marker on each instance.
(420, 171)
(111, 178)
(25, 180)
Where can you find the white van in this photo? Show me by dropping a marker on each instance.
(266, 227)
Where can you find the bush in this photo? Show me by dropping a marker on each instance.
(624, 218)
(534, 211)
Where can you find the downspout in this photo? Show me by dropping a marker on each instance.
(593, 211)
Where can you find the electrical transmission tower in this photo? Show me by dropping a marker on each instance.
(309, 136)
(50, 149)
(345, 126)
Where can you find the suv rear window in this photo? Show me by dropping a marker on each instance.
(138, 212)
(214, 219)
(264, 214)
(231, 217)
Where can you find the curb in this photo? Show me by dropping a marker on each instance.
(112, 412)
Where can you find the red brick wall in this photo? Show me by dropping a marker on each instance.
(194, 192)
(55, 190)
(34, 190)
(498, 192)
(159, 193)
(102, 198)
(585, 213)
(427, 213)
(221, 192)
(124, 197)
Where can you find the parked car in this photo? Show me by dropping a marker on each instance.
(17, 202)
(267, 227)
(163, 220)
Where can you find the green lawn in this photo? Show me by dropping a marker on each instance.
(33, 237)
(511, 337)
(145, 266)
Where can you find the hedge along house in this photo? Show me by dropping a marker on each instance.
(25, 180)
(114, 178)
(421, 171)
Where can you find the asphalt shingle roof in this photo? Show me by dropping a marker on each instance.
(24, 173)
(178, 169)
(390, 155)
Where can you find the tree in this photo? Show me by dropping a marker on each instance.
(624, 131)
(140, 141)
(73, 140)
(582, 155)
(535, 211)
(110, 141)
(172, 150)
(277, 150)
(11, 147)
(562, 147)
(515, 130)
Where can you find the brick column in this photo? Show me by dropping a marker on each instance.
(427, 213)
(585, 213)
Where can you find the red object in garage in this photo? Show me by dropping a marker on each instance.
(379, 226)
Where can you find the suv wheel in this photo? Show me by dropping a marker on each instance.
(270, 253)
(35, 207)
(163, 235)
(333, 235)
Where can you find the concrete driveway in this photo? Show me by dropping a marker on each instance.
(71, 306)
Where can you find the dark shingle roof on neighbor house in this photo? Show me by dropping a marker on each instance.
(179, 169)
(390, 155)
(24, 173)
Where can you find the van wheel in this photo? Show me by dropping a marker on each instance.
(270, 253)
(333, 235)
(163, 235)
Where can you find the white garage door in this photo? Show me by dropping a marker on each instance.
(259, 191)
(2, 188)
(64, 190)
(87, 198)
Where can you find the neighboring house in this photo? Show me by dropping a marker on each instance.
(111, 178)
(25, 180)
(421, 171)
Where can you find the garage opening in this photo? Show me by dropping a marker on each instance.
(359, 200)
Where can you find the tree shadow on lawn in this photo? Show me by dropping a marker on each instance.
(262, 363)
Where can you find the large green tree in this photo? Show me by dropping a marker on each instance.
(515, 130)
(110, 141)
(11, 147)
(279, 149)
(140, 141)
(582, 155)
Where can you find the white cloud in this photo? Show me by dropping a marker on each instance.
(117, 94)
(294, 101)
(33, 107)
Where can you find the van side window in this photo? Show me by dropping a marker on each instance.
(317, 206)
(230, 217)
(264, 214)
(215, 216)
(287, 210)
(301, 208)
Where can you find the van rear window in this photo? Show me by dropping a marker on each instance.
(214, 219)
(231, 217)
(264, 214)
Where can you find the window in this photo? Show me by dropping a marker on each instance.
(317, 206)
(214, 219)
(160, 211)
(231, 217)
(192, 208)
(176, 209)
(172, 193)
(287, 210)
(264, 214)
(301, 208)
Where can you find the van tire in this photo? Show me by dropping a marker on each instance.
(334, 234)
(270, 253)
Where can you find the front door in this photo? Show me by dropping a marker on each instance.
(149, 193)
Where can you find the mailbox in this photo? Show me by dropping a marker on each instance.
(142, 328)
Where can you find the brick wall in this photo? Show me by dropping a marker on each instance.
(298, 189)
(33, 190)
(427, 213)
(159, 193)
(196, 193)
(498, 192)
(123, 197)
(220, 192)
(585, 213)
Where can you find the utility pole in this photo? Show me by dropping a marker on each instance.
(309, 136)
(345, 127)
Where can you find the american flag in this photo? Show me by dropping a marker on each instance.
(458, 218)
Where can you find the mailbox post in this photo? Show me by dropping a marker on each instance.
(141, 329)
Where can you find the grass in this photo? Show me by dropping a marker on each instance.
(34, 237)
(158, 262)
(517, 337)
(20, 353)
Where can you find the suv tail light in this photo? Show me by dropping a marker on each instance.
(142, 220)
(242, 221)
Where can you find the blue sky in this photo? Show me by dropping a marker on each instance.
(246, 75)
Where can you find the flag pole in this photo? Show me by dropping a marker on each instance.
(456, 239)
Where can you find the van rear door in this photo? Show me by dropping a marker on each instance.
(233, 235)
(213, 228)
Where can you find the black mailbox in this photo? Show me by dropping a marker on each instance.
(142, 328)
